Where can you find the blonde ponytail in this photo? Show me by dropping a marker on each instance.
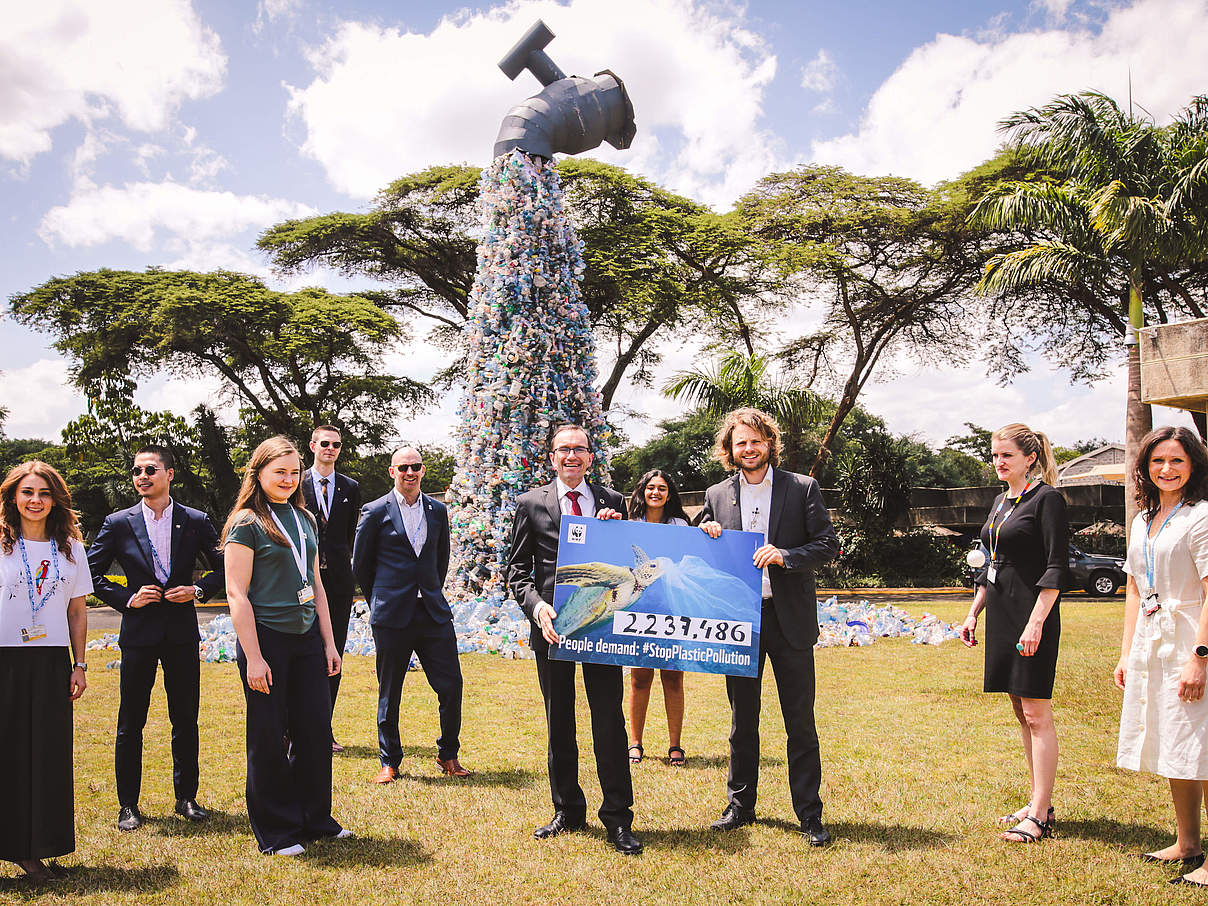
(1032, 442)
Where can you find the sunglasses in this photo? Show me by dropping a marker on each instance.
(150, 470)
(410, 467)
(330, 443)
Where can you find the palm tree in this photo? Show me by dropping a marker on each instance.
(739, 380)
(1113, 215)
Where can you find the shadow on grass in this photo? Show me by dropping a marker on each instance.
(893, 838)
(1131, 836)
(217, 823)
(705, 762)
(358, 752)
(359, 852)
(516, 779)
(90, 878)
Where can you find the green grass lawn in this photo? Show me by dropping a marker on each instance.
(917, 764)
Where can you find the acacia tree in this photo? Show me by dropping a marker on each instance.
(889, 261)
(658, 265)
(290, 360)
(1113, 232)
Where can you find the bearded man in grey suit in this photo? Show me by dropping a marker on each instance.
(788, 510)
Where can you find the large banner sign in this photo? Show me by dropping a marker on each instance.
(647, 595)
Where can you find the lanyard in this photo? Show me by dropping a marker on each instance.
(995, 531)
(159, 564)
(1151, 545)
(299, 557)
(36, 604)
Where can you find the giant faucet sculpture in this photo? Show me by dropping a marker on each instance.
(530, 353)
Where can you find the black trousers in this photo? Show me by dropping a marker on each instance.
(436, 645)
(339, 605)
(182, 685)
(608, 734)
(794, 668)
(289, 793)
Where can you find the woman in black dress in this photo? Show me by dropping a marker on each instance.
(1027, 535)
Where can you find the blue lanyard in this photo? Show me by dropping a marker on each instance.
(36, 604)
(996, 531)
(1151, 546)
(159, 564)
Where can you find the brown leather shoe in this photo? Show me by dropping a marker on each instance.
(336, 748)
(386, 775)
(453, 768)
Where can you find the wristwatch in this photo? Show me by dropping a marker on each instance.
(1201, 651)
(83, 667)
(197, 592)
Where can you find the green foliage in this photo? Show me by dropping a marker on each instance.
(916, 558)
(683, 448)
(975, 444)
(292, 360)
(1102, 538)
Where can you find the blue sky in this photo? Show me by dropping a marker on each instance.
(171, 132)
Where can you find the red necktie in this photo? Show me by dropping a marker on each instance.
(574, 503)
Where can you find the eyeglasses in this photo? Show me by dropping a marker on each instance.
(567, 451)
(330, 443)
(139, 470)
(410, 467)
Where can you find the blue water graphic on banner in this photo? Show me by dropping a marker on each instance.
(646, 595)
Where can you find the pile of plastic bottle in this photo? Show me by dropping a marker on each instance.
(853, 625)
(530, 364)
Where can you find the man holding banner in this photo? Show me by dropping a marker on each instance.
(531, 572)
(788, 510)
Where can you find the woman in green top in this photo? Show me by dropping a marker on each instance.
(285, 652)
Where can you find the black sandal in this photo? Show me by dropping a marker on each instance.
(641, 753)
(1023, 835)
(1015, 817)
(676, 762)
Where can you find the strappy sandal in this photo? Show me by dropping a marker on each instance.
(1021, 834)
(673, 760)
(641, 753)
(1016, 817)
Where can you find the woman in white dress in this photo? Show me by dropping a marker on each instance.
(656, 499)
(1164, 650)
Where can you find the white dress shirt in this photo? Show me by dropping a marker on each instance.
(323, 498)
(414, 522)
(159, 531)
(587, 503)
(755, 501)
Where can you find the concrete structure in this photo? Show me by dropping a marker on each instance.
(1174, 365)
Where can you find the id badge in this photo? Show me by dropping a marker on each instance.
(33, 633)
(306, 594)
(992, 574)
(1152, 605)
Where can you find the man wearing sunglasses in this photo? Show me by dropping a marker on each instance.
(335, 501)
(156, 543)
(401, 558)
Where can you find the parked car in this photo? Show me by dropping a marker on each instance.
(1100, 575)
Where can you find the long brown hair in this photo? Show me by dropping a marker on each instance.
(252, 504)
(671, 509)
(62, 522)
(1148, 498)
(757, 421)
(1029, 442)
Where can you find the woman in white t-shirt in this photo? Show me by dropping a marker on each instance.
(656, 499)
(44, 580)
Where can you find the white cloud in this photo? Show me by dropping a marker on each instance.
(273, 9)
(139, 212)
(937, 115)
(820, 73)
(40, 399)
(80, 59)
(386, 102)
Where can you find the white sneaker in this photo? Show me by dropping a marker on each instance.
(344, 834)
(296, 850)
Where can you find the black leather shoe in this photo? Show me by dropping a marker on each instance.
(624, 842)
(815, 832)
(188, 808)
(733, 818)
(129, 818)
(561, 823)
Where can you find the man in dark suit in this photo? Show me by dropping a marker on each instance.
(532, 564)
(335, 500)
(401, 558)
(157, 543)
(788, 510)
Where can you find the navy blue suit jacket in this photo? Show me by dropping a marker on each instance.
(393, 576)
(336, 534)
(123, 537)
